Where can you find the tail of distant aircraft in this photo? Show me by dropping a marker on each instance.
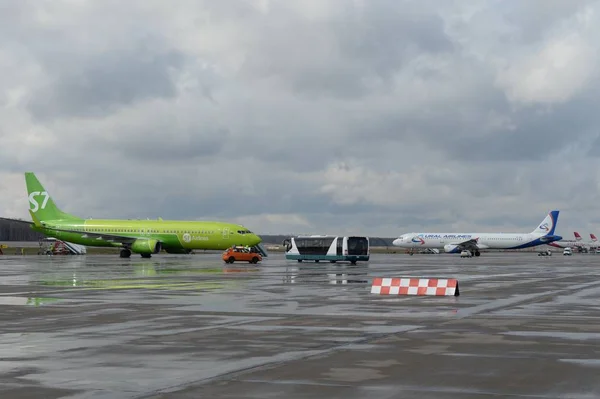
(546, 228)
(41, 205)
(577, 236)
(593, 237)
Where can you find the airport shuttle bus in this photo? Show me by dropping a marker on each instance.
(316, 248)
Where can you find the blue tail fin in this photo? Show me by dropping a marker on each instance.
(548, 225)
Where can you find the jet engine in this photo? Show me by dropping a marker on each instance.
(146, 246)
(450, 247)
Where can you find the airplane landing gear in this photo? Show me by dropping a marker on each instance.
(477, 253)
(146, 255)
(125, 253)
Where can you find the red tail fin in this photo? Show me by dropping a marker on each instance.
(577, 236)
(593, 237)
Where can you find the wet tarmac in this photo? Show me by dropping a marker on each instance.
(191, 326)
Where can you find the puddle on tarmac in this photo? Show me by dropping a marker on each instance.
(138, 283)
(583, 362)
(556, 334)
(27, 301)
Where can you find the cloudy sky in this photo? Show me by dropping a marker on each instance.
(373, 117)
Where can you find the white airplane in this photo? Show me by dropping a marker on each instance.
(594, 243)
(577, 243)
(474, 242)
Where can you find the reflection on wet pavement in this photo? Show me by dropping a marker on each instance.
(191, 326)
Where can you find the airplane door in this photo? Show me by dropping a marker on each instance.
(226, 233)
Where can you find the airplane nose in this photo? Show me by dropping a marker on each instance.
(396, 242)
(255, 240)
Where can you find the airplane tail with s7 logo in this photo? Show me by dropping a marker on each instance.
(547, 226)
(41, 205)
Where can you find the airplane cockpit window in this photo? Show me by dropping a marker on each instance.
(244, 232)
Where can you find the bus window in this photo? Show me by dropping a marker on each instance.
(313, 246)
(340, 245)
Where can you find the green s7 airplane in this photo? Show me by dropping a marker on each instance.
(144, 237)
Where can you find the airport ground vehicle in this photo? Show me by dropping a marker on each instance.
(427, 251)
(545, 252)
(568, 251)
(327, 248)
(430, 251)
(466, 254)
(241, 254)
(52, 246)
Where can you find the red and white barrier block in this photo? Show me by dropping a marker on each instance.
(415, 286)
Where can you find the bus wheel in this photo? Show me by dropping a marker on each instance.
(332, 261)
(299, 260)
(316, 260)
(353, 262)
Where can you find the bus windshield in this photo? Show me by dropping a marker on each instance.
(358, 246)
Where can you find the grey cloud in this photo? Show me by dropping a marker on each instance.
(383, 34)
(179, 145)
(539, 134)
(98, 84)
(534, 18)
(342, 56)
(293, 154)
(462, 131)
(175, 201)
(91, 58)
(402, 221)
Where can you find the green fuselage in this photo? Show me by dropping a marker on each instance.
(175, 236)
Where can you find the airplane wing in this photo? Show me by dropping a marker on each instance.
(117, 239)
(469, 245)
